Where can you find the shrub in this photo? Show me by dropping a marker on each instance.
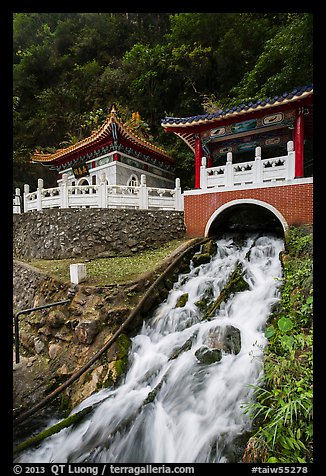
(282, 409)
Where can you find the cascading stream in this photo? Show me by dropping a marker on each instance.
(172, 407)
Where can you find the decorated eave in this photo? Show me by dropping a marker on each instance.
(188, 127)
(113, 132)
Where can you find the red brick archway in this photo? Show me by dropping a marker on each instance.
(248, 202)
(292, 204)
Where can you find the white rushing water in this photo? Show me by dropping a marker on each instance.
(197, 410)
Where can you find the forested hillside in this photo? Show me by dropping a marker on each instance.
(70, 67)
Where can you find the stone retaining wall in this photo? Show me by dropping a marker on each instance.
(70, 233)
(33, 288)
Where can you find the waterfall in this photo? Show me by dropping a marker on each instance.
(171, 406)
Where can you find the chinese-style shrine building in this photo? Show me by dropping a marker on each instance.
(259, 154)
(253, 164)
(115, 150)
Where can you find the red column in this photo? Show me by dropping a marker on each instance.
(116, 157)
(198, 156)
(209, 161)
(299, 143)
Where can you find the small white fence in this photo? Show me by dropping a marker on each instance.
(103, 196)
(17, 201)
(258, 171)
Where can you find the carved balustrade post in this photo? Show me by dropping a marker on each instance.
(229, 179)
(143, 193)
(39, 194)
(64, 200)
(203, 173)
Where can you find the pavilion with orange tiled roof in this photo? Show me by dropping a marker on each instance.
(118, 151)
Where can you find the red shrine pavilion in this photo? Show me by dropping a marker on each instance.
(269, 124)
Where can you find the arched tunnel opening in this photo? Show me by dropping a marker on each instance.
(246, 218)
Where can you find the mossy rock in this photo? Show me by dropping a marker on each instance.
(152, 394)
(209, 247)
(240, 285)
(120, 364)
(208, 356)
(186, 346)
(120, 367)
(235, 284)
(182, 300)
(201, 258)
(107, 382)
(65, 403)
(123, 344)
(205, 299)
(168, 283)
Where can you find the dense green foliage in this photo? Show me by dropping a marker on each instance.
(283, 408)
(70, 67)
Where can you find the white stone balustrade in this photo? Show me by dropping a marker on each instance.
(103, 196)
(256, 172)
(17, 202)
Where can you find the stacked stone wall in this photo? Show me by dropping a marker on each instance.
(73, 233)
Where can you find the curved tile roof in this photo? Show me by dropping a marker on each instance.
(104, 131)
(169, 121)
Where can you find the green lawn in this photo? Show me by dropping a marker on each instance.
(104, 271)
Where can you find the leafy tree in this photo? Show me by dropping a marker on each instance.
(145, 68)
(285, 62)
(67, 66)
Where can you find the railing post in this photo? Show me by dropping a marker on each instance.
(257, 167)
(178, 204)
(229, 170)
(26, 191)
(290, 162)
(143, 193)
(17, 201)
(203, 173)
(64, 192)
(39, 193)
(102, 195)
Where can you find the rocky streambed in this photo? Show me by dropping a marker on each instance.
(56, 343)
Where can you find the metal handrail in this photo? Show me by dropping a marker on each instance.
(26, 311)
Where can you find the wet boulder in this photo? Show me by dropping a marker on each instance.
(186, 346)
(209, 247)
(182, 300)
(201, 258)
(227, 339)
(208, 356)
(232, 339)
(206, 299)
